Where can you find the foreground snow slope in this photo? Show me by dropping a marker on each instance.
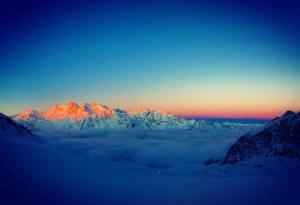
(9, 128)
(34, 174)
(72, 116)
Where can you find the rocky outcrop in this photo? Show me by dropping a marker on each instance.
(10, 128)
(280, 137)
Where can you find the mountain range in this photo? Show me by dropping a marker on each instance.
(72, 116)
(279, 138)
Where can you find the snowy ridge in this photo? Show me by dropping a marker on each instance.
(10, 128)
(279, 138)
(72, 116)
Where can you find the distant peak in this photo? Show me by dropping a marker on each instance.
(30, 110)
(28, 114)
(72, 104)
(95, 104)
(150, 110)
(57, 105)
(85, 106)
(288, 113)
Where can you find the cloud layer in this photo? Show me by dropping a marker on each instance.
(158, 149)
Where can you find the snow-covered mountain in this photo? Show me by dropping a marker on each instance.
(72, 116)
(10, 128)
(280, 137)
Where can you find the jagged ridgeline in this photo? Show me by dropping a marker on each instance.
(72, 116)
(10, 128)
(280, 137)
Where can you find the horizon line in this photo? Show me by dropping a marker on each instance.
(196, 114)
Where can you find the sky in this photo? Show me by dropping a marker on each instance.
(191, 58)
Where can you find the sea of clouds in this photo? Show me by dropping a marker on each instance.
(158, 149)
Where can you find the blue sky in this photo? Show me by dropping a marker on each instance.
(190, 58)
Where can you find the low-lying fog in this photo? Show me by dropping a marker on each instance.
(159, 149)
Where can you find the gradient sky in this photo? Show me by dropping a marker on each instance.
(189, 58)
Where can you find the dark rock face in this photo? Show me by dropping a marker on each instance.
(9, 127)
(281, 137)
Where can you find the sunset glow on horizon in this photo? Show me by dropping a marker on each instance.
(190, 59)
